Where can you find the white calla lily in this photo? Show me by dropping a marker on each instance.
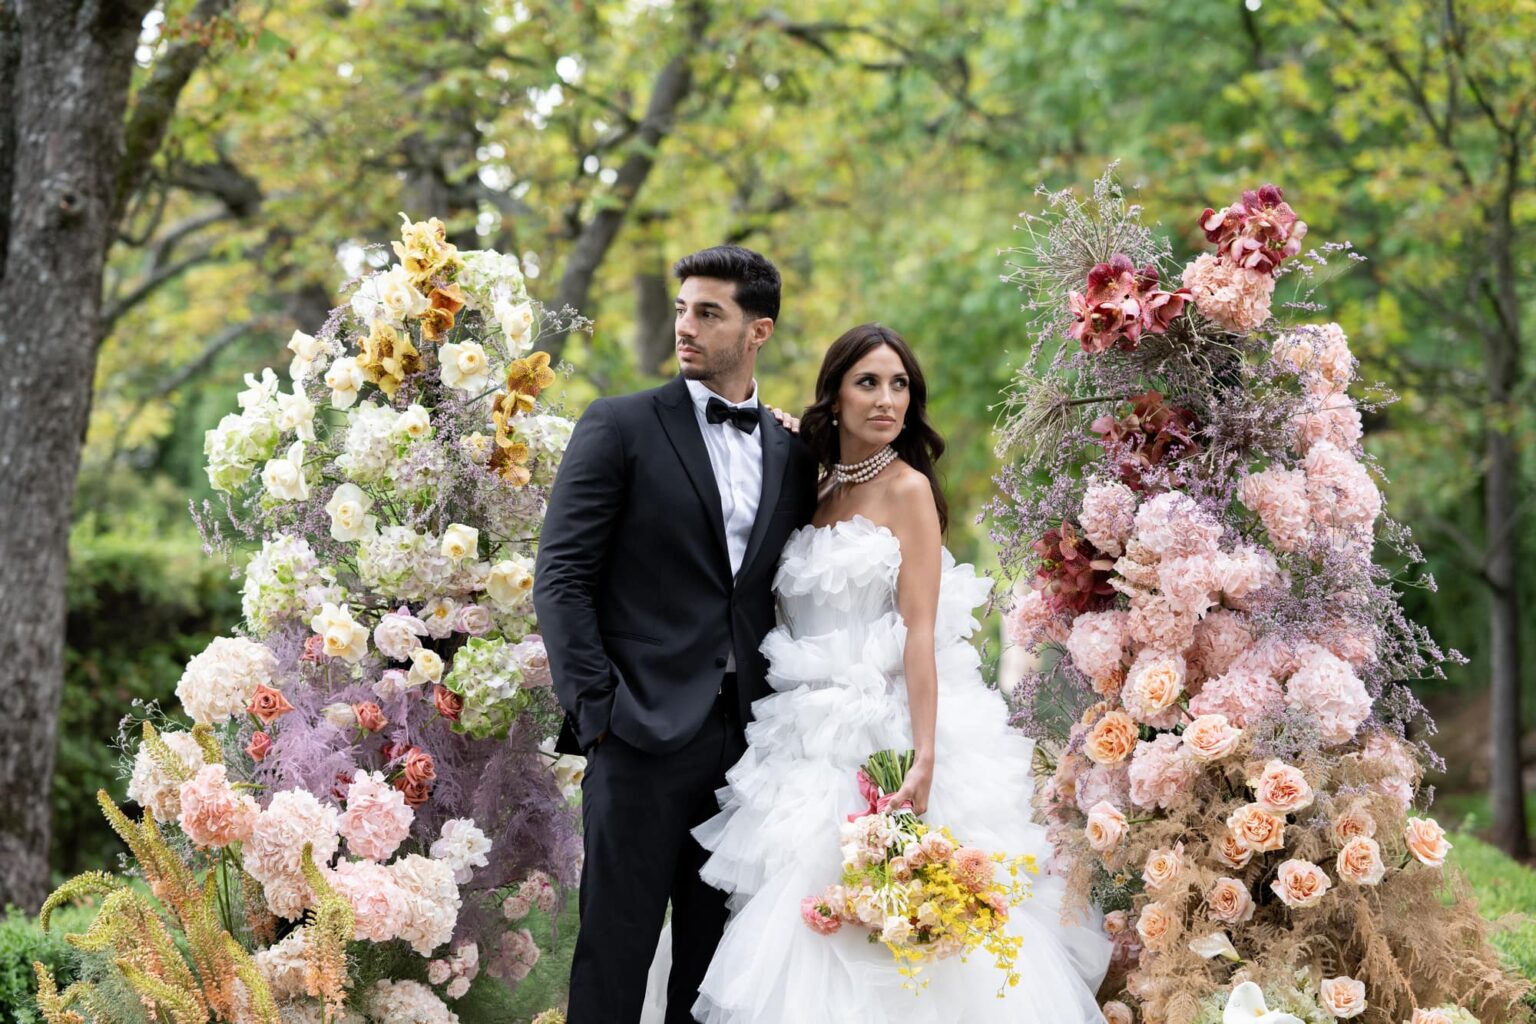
(1215, 944)
(1246, 1006)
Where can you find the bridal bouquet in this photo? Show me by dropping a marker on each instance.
(1235, 782)
(356, 815)
(915, 887)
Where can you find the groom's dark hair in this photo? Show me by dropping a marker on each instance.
(756, 278)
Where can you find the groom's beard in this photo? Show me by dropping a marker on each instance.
(714, 365)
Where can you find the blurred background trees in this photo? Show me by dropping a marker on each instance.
(879, 151)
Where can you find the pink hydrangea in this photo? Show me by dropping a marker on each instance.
(1244, 571)
(1191, 583)
(1219, 638)
(275, 849)
(1103, 783)
(155, 789)
(1161, 772)
(1280, 498)
(1240, 693)
(212, 813)
(1383, 750)
(1097, 642)
(1340, 489)
(379, 905)
(377, 818)
(1154, 622)
(514, 957)
(1320, 354)
(1328, 688)
(1229, 296)
(412, 1001)
(1171, 525)
(1031, 621)
(1108, 515)
(432, 900)
(1335, 421)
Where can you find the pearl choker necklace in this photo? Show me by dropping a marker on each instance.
(859, 472)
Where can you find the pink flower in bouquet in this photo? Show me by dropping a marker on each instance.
(1280, 499)
(415, 793)
(1116, 1012)
(1340, 489)
(379, 905)
(1106, 312)
(1229, 850)
(1229, 901)
(1160, 308)
(1327, 687)
(973, 868)
(260, 746)
(1153, 686)
(212, 813)
(1106, 827)
(1300, 884)
(398, 634)
(1426, 841)
(377, 819)
(1256, 829)
(1153, 432)
(1354, 822)
(535, 661)
(268, 704)
(1155, 623)
(1172, 525)
(457, 988)
(1342, 997)
(1192, 583)
(438, 971)
(1282, 789)
(447, 703)
(936, 847)
(1111, 739)
(1353, 643)
(370, 716)
(1158, 927)
(1259, 231)
(1389, 754)
(1245, 570)
(1161, 772)
(314, 649)
(273, 853)
(818, 917)
(1031, 620)
(1434, 1016)
(1360, 862)
(1162, 866)
(1336, 421)
(392, 683)
(1241, 694)
(539, 888)
(432, 900)
(474, 620)
(516, 907)
(1108, 515)
(1219, 638)
(1210, 738)
(1073, 574)
(515, 956)
(1097, 642)
(1232, 297)
(1103, 782)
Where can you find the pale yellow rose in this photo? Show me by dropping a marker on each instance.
(1426, 841)
(1257, 829)
(308, 352)
(460, 542)
(426, 667)
(1360, 862)
(1229, 901)
(465, 366)
(398, 297)
(414, 423)
(510, 581)
(344, 378)
(1112, 738)
(348, 509)
(284, 478)
(343, 636)
(516, 321)
(1342, 997)
(1300, 883)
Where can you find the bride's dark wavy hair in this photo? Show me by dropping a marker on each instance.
(918, 443)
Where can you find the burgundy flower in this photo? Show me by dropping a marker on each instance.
(1152, 433)
(416, 793)
(1119, 303)
(1074, 574)
(1258, 232)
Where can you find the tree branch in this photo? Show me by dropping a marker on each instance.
(114, 310)
(155, 104)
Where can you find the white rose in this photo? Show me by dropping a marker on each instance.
(465, 366)
(297, 413)
(398, 297)
(516, 320)
(440, 614)
(340, 715)
(284, 478)
(426, 667)
(896, 931)
(510, 581)
(348, 509)
(397, 634)
(460, 541)
(414, 423)
(308, 355)
(344, 637)
(344, 378)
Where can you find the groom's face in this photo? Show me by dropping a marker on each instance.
(716, 340)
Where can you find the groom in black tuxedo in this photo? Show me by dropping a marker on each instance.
(653, 591)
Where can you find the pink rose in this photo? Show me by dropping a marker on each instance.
(1229, 900)
(457, 988)
(1300, 884)
(1157, 926)
(416, 793)
(474, 620)
(1116, 1012)
(1426, 841)
(260, 746)
(1356, 821)
(447, 703)
(1231, 852)
(1257, 829)
(438, 971)
(1435, 1016)
(1106, 827)
(1211, 737)
(267, 704)
(419, 766)
(1360, 862)
(1162, 867)
(1342, 997)
(370, 716)
(1153, 686)
(1282, 789)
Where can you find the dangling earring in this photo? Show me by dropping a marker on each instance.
(834, 419)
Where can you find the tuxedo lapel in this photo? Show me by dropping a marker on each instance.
(775, 459)
(674, 407)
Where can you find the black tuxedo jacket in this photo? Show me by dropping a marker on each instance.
(633, 586)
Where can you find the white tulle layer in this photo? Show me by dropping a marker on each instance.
(835, 664)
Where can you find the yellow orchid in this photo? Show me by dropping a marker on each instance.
(425, 251)
(444, 305)
(388, 357)
(510, 462)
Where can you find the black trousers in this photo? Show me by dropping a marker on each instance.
(637, 810)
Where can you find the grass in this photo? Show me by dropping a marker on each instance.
(1503, 887)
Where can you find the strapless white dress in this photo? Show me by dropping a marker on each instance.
(835, 665)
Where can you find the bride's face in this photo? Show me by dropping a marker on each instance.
(872, 401)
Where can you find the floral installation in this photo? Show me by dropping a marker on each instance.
(362, 785)
(1231, 765)
(916, 888)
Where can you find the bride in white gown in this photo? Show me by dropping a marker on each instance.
(872, 653)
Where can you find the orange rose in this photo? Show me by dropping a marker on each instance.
(447, 703)
(260, 745)
(1360, 862)
(267, 704)
(1230, 852)
(1229, 901)
(1157, 926)
(370, 716)
(1426, 841)
(1257, 829)
(1300, 884)
(1282, 789)
(419, 767)
(416, 793)
(1112, 739)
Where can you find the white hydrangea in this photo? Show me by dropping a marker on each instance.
(236, 446)
(369, 447)
(152, 788)
(546, 436)
(433, 896)
(285, 580)
(282, 965)
(220, 682)
(406, 1002)
(488, 275)
(403, 564)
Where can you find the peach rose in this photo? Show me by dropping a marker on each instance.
(1116, 922)
(1230, 852)
(416, 793)
(1211, 738)
(1257, 829)
(1116, 1012)
(1300, 884)
(1106, 826)
(1360, 862)
(370, 716)
(1356, 821)
(1342, 997)
(1112, 738)
(1426, 841)
(1229, 901)
(1162, 866)
(1152, 687)
(1157, 926)
(267, 704)
(1282, 789)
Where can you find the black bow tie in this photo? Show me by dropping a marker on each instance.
(743, 419)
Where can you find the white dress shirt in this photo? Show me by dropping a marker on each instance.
(737, 459)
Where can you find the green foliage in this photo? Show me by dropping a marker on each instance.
(1504, 887)
(22, 942)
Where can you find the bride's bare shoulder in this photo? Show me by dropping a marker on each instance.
(908, 496)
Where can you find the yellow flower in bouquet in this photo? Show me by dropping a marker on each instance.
(388, 357)
(425, 251)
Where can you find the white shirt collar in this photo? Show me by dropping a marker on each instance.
(701, 395)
